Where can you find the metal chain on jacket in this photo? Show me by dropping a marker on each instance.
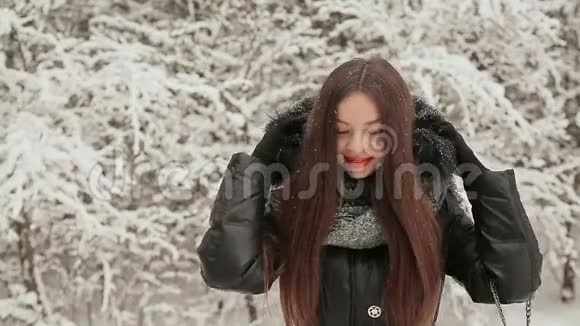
(500, 310)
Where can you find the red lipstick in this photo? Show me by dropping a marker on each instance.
(357, 160)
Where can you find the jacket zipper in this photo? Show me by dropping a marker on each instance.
(353, 310)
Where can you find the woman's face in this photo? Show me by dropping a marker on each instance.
(360, 135)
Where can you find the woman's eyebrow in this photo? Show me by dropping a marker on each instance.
(366, 123)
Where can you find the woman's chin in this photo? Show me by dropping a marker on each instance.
(359, 172)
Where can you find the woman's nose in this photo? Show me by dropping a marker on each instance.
(356, 144)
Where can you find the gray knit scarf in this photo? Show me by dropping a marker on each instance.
(356, 225)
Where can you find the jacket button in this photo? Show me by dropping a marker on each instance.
(374, 311)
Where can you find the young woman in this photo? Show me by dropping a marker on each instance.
(349, 200)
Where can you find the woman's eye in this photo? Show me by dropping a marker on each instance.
(376, 132)
(342, 132)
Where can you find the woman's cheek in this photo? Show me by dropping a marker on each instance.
(379, 161)
(376, 145)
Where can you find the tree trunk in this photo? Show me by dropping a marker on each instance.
(252, 311)
(568, 290)
(26, 254)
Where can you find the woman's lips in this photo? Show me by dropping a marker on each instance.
(357, 161)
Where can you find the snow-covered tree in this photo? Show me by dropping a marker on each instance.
(118, 118)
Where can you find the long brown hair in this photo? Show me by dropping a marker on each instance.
(303, 219)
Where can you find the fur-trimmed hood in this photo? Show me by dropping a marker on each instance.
(429, 147)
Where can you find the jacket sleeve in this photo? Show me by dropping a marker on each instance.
(230, 252)
(498, 243)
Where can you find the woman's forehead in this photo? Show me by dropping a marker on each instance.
(357, 109)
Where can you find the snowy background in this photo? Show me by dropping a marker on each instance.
(118, 118)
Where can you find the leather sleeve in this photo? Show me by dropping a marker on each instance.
(230, 251)
(499, 242)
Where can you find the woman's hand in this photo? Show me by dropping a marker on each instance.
(269, 146)
(467, 161)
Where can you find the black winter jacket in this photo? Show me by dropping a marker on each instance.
(497, 241)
